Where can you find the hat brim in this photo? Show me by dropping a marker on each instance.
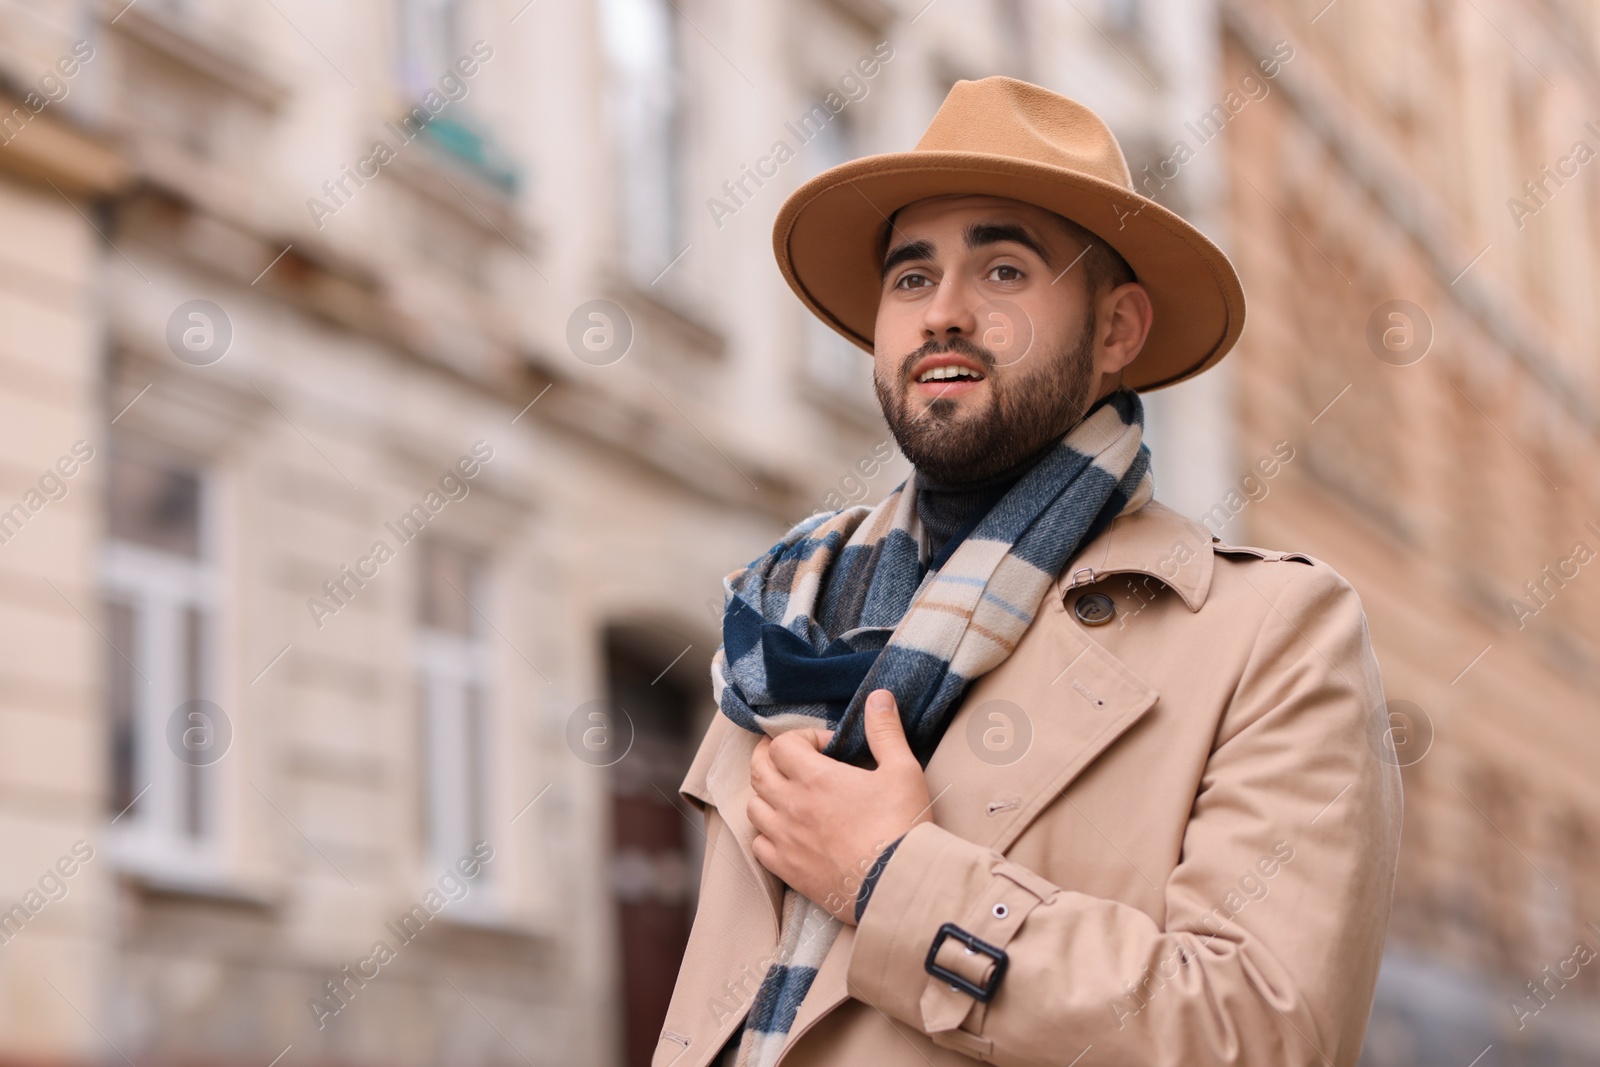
(827, 241)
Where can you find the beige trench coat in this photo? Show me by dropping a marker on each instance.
(1186, 852)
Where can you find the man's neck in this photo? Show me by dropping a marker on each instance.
(987, 481)
(948, 511)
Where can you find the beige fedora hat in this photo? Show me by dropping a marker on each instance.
(1005, 137)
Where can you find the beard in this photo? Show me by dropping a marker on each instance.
(1024, 413)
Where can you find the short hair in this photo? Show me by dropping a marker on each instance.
(1103, 266)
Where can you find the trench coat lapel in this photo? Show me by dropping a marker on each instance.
(729, 790)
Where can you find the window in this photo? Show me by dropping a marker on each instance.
(1123, 17)
(835, 364)
(430, 42)
(166, 731)
(433, 38)
(454, 692)
(831, 361)
(642, 53)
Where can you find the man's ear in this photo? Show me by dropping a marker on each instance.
(1125, 316)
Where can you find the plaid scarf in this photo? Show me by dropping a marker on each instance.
(845, 603)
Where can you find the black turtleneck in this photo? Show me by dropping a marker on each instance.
(949, 511)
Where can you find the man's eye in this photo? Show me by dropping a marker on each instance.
(1006, 272)
(911, 280)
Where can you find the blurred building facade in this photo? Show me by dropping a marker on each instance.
(1419, 236)
(389, 386)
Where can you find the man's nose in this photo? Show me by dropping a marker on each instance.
(953, 310)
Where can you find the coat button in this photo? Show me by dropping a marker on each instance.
(1094, 609)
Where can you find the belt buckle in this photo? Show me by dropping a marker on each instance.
(980, 993)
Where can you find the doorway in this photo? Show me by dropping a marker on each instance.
(655, 860)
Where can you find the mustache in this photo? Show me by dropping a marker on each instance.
(957, 345)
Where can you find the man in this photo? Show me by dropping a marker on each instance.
(1020, 765)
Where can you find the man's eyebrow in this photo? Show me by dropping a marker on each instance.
(989, 233)
(913, 250)
(976, 235)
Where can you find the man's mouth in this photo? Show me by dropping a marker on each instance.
(946, 375)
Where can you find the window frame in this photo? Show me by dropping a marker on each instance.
(413, 84)
(647, 105)
(161, 588)
(451, 669)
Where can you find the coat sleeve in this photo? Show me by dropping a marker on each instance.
(1275, 914)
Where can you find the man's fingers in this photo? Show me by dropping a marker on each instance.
(760, 763)
(761, 814)
(886, 735)
(768, 781)
(764, 852)
(793, 750)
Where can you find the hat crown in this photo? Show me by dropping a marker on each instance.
(1006, 117)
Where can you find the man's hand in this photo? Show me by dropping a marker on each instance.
(822, 822)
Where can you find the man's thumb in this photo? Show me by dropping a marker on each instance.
(886, 735)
